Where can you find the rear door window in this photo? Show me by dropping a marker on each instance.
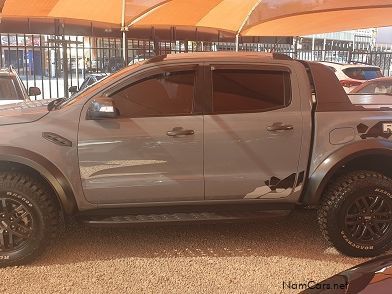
(242, 90)
(363, 73)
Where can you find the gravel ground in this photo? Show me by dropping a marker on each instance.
(220, 258)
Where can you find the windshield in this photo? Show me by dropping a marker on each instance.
(363, 73)
(379, 87)
(8, 90)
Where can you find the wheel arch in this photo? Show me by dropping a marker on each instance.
(366, 154)
(46, 170)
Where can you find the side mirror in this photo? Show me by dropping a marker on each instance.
(73, 89)
(34, 91)
(102, 108)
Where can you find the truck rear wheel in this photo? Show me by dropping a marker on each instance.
(356, 214)
(29, 217)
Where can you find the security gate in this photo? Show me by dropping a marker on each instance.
(56, 62)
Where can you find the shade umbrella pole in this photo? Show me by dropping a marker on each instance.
(237, 36)
(124, 30)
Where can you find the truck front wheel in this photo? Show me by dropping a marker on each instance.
(29, 218)
(355, 215)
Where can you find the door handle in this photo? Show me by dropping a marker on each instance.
(279, 127)
(178, 131)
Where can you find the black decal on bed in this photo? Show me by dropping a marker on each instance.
(375, 131)
(300, 178)
(362, 128)
(276, 183)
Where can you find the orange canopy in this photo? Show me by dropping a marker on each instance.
(244, 17)
(106, 11)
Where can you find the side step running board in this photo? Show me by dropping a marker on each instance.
(181, 217)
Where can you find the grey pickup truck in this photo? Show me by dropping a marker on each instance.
(199, 137)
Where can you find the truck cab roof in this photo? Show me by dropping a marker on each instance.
(208, 56)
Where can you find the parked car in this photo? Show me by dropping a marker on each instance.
(141, 57)
(89, 80)
(114, 64)
(198, 137)
(12, 89)
(374, 276)
(376, 86)
(353, 75)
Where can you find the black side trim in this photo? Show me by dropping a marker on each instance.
(325, 171)
(47, 169)
(208, 206)
(193, 217)
(57, 139)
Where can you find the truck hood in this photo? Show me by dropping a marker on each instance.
(23, 112)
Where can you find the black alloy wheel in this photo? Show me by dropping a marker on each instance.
(30, 216)
(355, 214)
(369, 218)
(16, 223)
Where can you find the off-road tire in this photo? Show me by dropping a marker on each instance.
(335, 215)
(39, 206)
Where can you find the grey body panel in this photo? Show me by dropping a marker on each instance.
(327, 124)
(350, 152)
(46, 168)
(343, 136)
(135, 161)
(241, 155)
(243, 160)
(29, 141)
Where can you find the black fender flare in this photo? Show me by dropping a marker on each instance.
(46, 169)
(324, 172)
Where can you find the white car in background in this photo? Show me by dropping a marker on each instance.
(353, 75)
(12, 90)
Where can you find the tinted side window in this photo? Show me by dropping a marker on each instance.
(8, 89)
(165, 94)
(237, 90)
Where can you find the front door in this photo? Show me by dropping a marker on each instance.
(252, 135)
(153, 152)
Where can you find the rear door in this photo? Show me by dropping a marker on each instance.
(252, 133)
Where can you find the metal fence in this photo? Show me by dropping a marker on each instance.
(55, 63)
